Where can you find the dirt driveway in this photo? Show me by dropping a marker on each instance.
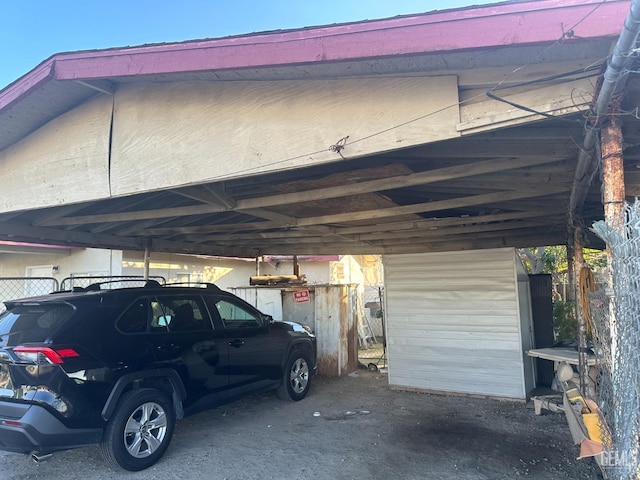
(353, 427)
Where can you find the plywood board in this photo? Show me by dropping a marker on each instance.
(180, 133)
(63, 162)
(558, 100)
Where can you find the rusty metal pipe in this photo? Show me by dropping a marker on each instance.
(614, 79)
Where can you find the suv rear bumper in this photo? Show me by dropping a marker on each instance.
(28, 428)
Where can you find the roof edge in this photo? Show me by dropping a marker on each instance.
(475, 27)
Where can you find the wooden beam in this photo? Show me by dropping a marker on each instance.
(361, 215)
(473, 243)
(50, 235)
(444, 222)
(483, 199)
(212, 195)
(230, 227)
(383, 238)
(430, 228)
(422, 178)
(276, 217)
(447, 232)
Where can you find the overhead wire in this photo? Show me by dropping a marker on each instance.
(570, 33)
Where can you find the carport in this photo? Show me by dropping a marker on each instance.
(461, 130)
(452, 130)
(427, 133)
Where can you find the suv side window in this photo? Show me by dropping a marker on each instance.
(235, 315)
(162, 314)
(135, 318)
(182, 314)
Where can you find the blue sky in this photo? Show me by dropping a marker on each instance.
(33, 30)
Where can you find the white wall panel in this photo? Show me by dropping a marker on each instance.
(453, 322)
(64, 161)
(169, 134)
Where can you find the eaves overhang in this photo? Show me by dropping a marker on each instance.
(518, 201)
(476, 27)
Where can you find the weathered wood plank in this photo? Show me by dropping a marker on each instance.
(557, 100)
(65, 161)
(209, 131)
(422, 178)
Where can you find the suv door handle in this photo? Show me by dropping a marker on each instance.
(236, 343)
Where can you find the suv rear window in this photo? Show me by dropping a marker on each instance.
(33, 323)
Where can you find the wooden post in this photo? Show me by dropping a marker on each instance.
(296, 266)
(571, 291)
(613, 193)
(147, 259)
(613, 174)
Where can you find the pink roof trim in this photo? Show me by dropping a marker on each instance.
(486, 26)
(38, 245)
(301, 258)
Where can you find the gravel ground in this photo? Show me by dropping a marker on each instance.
(354, 427)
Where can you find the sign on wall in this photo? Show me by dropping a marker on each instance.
(301, 296)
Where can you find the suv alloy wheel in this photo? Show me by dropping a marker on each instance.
(140, 430)
(296, 380)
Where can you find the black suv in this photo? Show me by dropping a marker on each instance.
(119, 366)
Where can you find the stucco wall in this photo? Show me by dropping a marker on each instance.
(93, 261)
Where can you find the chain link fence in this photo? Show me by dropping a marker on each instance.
(19, 287)
(616, 332)
(373, 309)
(374, 352)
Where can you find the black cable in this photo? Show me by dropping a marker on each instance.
(538, 81)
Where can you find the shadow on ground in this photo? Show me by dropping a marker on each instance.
(354, 427)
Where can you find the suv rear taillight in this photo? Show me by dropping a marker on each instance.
(40, 355)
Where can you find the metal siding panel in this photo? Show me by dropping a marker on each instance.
(335, 330)
(453, 322)
(327, 312)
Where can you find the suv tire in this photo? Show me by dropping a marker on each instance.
(140, 429)
(296, 380)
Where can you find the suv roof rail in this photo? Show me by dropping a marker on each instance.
(68, 283)
(98, 285)
(207, 285)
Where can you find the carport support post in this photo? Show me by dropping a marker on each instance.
(147, 259)
(613, 193)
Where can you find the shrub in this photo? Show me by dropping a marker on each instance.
(565, 321)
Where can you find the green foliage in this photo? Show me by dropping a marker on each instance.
(554, 258)
(565, 322)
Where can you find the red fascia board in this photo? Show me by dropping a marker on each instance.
(27, 83)
(498, 25)
(504, 25)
